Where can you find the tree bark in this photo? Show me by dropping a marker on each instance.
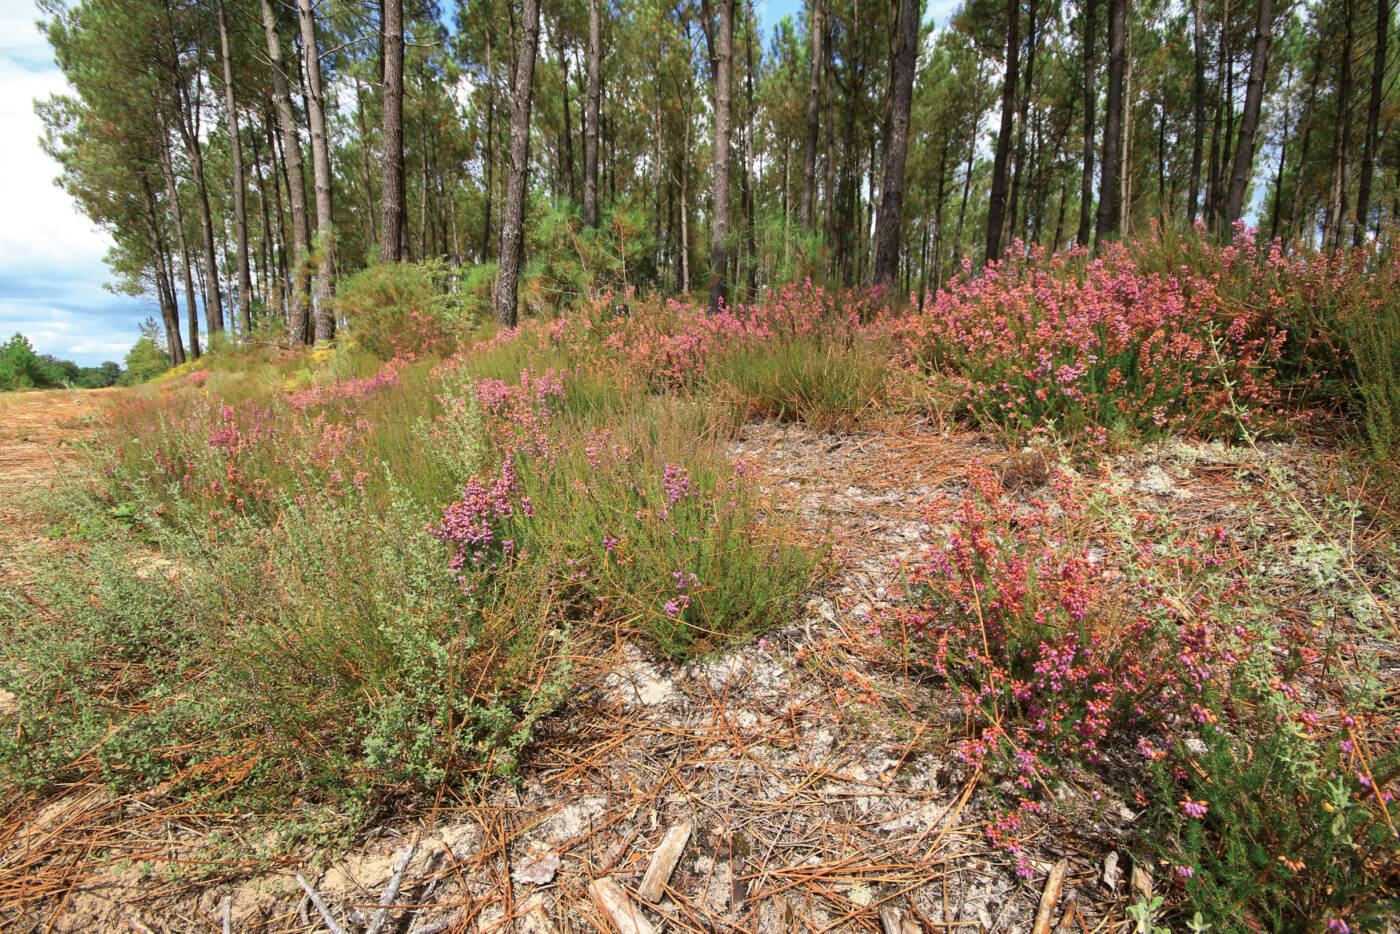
(1198, 111)
(1110, 212)
(240, 210)
(1373, 116)
(189, 130)
(1086, 182)
(568, 141)
(1015, 221)
(890, 220)
(719, 229)
(1341, 136)
(298, 319)
(996, 203)
(392, 247)
(513, 221)
(321, 174)
(590, 119)
(165, 293)
(1249, 121)
(814, 89)
(173, 194)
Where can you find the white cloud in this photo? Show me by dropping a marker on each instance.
(51, 268)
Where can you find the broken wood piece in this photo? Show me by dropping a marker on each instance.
(1050, 897)
(391, 893)
(1142, 883)
(228, 915)
(663, 861)
(1066, 925)
(625, 915)
(320, 905)
(892, 921)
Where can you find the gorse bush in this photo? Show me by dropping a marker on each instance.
(1148, 655)
(401, 310)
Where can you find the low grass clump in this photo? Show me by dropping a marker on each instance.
(337, 586)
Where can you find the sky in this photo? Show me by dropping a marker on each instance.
(51, 269)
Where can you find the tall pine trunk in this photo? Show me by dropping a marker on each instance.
(1341, 134)
(1373, 116)
(1249, 121)
(240, 209)
(1198, 110)
(513, 220)
(814, 90)
(891, 217)
(171, 192)
(298, 319)
(1110, 215)
(321, 174)
(1091, 94)
(392, 247)
(590, 117)
(996, 203)
(719, 225)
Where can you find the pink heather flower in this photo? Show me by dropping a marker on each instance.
(1185, 872)
(1195, 809)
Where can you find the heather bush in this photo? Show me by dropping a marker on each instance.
(1071, 347)
(1146, 652)
(380, 573)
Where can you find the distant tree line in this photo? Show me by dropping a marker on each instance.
(247, 153)
(22, 368)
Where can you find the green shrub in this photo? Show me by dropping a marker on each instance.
(401, 309)
(147, 358)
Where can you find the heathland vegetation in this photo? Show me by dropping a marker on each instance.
(471, 420)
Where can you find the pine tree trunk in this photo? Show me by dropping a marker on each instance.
(996, 203)
(567, 144)
(490, 192)
(1013, 201)
(719, 228)
(240, 211)
(513, 221)
(299, 319)
(391, 172)
(590, 119)
(321, 174)
(1217, 137)
(173, 194)
(1249, 122)
(189, 130)
(1110, 191)
(1198, 111)
(891, 217)
(1341, 137)
(165, 294)
(814, 89)
(1373, 116)
(1091, 94)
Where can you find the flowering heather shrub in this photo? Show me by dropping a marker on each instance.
(630, 525)
(1148, 656)
(672, 345)
(1076, 346)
